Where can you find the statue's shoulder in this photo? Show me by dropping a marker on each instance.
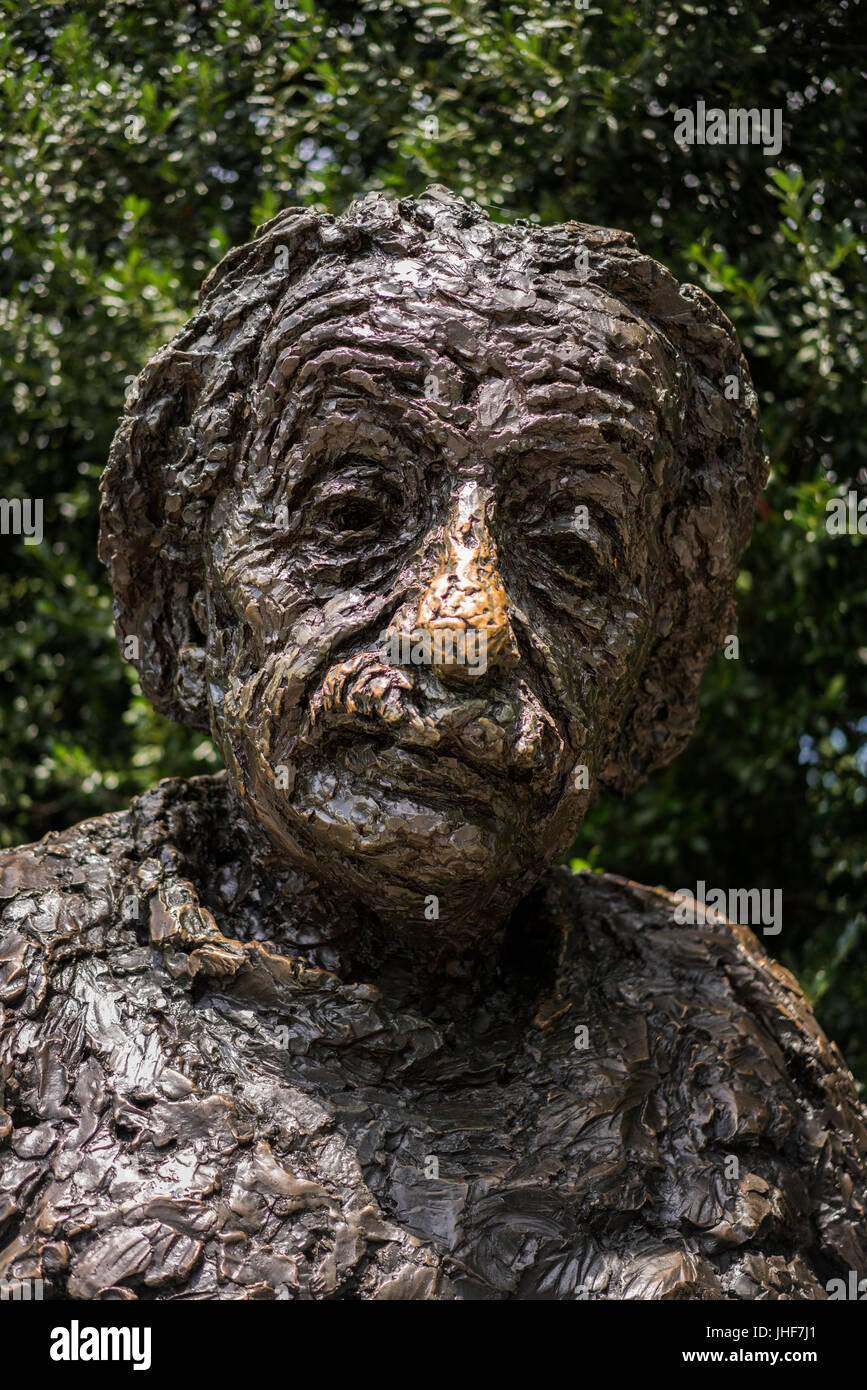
(64, 858)
(627, 947)
(622, 931)
(701, 1054)
(83, 872)
(96, 851)
(157, 1128)
(52, 889)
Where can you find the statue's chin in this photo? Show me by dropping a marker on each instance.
(430, 864)
(422, 833)
(433, 845)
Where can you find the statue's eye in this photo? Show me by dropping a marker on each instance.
(568, 550)
(352, 516)
(576, 548)
(356, 502)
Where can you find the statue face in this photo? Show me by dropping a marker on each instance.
(427, 589)
(436, 523)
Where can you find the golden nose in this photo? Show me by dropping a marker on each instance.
(464, 608)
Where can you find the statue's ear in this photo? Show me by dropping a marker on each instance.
(717, 470)
(184, 430)
(150, 529)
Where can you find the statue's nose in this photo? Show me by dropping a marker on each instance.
(464, 608)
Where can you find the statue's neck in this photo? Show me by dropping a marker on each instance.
(201, 837)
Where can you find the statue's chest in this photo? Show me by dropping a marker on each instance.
(473, 1153)
(463, 1150)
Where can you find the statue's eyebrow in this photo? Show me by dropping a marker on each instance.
(611, 492)
(322, 447)
(590, 437)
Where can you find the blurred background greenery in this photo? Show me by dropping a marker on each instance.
(142, 140)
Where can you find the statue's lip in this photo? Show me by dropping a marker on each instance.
(474, 778)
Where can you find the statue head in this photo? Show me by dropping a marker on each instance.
(434, 523)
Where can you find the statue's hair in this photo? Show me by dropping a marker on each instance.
(189, 418)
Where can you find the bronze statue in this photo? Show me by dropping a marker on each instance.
(434, 524)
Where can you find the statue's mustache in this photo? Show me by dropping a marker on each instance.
(508, 732)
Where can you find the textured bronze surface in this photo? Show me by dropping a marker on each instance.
(329, 1024)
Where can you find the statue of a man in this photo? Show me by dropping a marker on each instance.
(434, 524)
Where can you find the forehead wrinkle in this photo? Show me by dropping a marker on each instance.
(316, 308)
(353, 360)
(393, 308)
(355, 349)
(347, 294)
(591, 307)
(355, 335)
(610, 381)
(585, 399)
(385, 290)
(586, 345)
(365, 352)
(386, 382)
(285, 329)
(585, 394)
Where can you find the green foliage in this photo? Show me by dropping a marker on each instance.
(143, 140)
